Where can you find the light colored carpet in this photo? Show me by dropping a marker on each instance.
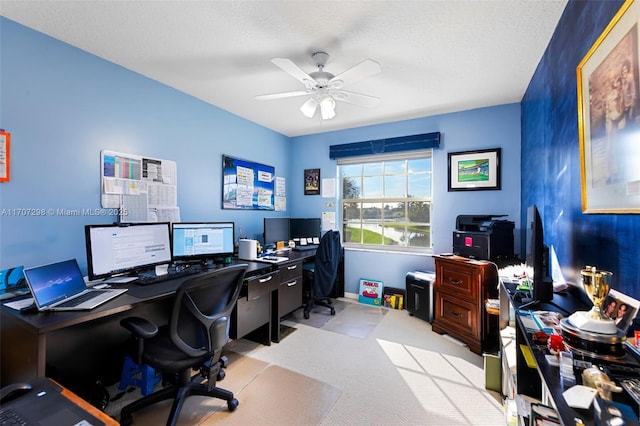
(396, 372)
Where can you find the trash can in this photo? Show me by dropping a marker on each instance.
(419, 301)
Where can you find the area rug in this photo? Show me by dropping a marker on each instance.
(268, 395)
(356, 320)
(279, 396)
(319, 315)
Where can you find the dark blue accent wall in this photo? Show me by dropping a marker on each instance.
(551, 157)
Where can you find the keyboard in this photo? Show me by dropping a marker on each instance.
(305, 248)
(81, 299)
(152, 278)
(8, 416)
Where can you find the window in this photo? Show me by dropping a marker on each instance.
(386, 201)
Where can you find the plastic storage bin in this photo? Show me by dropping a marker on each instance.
(419, 300)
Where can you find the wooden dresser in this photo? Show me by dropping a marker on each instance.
(461, 288)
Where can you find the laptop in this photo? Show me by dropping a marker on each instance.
(61, 287)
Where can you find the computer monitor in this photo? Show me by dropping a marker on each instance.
(276, 229)
(202, 241)
(305, 228)
(535, 258)
(126, 248)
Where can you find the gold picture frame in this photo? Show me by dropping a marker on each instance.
(608, 80)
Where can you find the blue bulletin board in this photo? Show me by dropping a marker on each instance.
(247, 185)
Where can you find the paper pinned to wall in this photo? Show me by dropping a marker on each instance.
(329, 188)
(328, 221)
(138, 185)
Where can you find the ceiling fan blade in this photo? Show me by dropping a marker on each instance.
(364, 69)
(354, 98)
(295, 71)
(309, 107)
(282, 95)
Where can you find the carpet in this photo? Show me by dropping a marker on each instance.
(268, 394)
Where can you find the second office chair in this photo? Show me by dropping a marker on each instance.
(320, 276)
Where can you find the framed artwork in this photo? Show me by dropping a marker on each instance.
(608, 78)
(474, 170)
(5, 155)
(312, 182)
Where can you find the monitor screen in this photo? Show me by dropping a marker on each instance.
(116, 249)
(305, 228)
(276, 229)
(536, 264)
(202, 240)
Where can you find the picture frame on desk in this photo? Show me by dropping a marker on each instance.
(608, 80)
(474, 170)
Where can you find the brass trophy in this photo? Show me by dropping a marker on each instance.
(596, 284)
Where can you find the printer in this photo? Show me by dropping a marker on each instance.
(483, 237)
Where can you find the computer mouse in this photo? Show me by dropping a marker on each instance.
(13, 390)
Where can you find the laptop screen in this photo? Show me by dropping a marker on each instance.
(52, 283)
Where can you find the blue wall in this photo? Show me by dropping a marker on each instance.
(62, 106)
(551, 157)
(468, 130)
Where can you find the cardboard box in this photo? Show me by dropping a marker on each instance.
(370, 292)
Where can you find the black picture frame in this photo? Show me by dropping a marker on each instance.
(312, 181)
(477, 170)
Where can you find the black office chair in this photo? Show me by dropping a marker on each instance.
(198, 329)
(319, 278)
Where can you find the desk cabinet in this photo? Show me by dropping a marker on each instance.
(290, 293)
(252, 313)
(461, 287)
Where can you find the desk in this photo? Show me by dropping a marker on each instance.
(543, 382)
(83, 344)
(49, 402)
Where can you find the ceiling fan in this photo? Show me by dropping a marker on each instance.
(325, 88)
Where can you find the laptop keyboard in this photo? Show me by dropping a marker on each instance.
(8, 416)
(81, 299)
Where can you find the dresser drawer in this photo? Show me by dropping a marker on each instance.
(290, 271)
(262, 284)
(458, 280)
(457, 315)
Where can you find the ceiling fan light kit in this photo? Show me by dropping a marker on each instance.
(325, 88)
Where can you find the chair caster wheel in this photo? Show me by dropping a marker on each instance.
(333, 311)
(221, 375)
(126, 421)
(233, 404)
(306, 315)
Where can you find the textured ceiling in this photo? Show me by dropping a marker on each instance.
(436, 56)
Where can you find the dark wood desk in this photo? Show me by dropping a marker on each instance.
(84, 345)
(544, 382)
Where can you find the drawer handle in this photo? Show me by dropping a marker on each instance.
(456, 282)
(292, 283)
(455, 314)
(292, 267)
(264, 280)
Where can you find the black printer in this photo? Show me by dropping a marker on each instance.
(483, 237)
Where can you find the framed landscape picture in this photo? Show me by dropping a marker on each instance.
(474, 170)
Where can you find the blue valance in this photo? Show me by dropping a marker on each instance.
(385, 146)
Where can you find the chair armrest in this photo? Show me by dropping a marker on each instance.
(140, 327)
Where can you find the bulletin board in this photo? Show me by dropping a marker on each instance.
(247, 185)
(144, 189)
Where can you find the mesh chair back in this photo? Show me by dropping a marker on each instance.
(200, 319)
